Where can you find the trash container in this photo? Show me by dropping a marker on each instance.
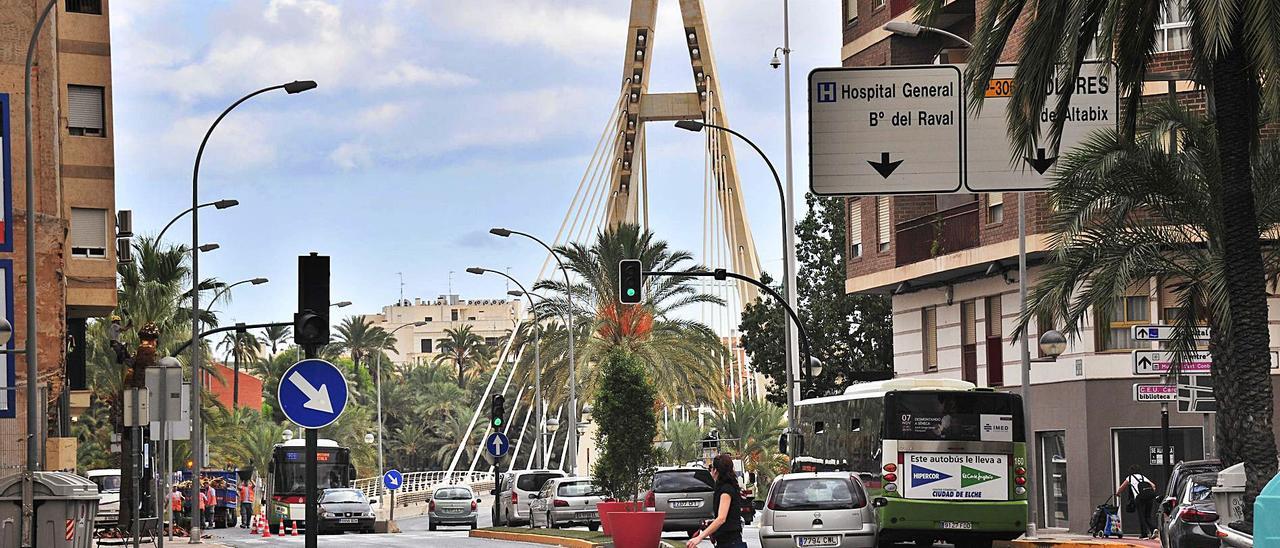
(65, 505)
(1228, 495)
(1266, 515)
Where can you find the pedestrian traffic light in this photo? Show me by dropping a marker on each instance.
(311, 322)
(630, 281)
(496, 411)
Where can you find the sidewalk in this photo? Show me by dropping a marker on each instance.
(1076, 541)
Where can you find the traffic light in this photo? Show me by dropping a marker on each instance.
(311, 322)
(630, 281)
(496, 411)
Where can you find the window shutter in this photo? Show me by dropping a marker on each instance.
(995, 317)
(882, 219)
(929, 327)
(88, 228)
(851, 10)
(84, 107)
(855, 221)
(968, 323)
(995, 199)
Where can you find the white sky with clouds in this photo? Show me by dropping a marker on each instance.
(434, 120)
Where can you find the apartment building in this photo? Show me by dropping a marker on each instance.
(949, 261)
(75, 206)
(492, 319)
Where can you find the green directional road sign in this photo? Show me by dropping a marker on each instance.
(974, 476)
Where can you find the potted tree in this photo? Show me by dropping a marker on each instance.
(627, 426)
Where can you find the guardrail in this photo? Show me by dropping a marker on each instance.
(418, 486)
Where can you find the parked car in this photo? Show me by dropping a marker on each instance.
(453, 505)
(685, 494)
(1193, 517)
(511, 502)
(108, 482)
(826, 509)
(345, 510)
(566, 502)
(1177, 487)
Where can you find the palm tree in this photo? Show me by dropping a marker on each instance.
(750, 429)
(1236, 55)
(360, 338)
(273, 337)
(409, 443)
(684, 357)
(685, 438)
(1129, 212)
(465, 349)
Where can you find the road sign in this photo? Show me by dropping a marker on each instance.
(1195, 394)
(497, 444)
(1159, 362)
(1094, 105)
(1155, 392)
(392, 479)
(1165, 333)
(886, 130)
(312, 393)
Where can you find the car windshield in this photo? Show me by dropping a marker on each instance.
(683, 481)
(534, 482)
(452, 494)
(816, 494)
(107, 484)
(1201, 488)
(579, 489)
(345, 495)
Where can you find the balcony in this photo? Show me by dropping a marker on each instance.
(937, 234)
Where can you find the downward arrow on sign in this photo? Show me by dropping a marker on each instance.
(1040, 163)
(884, 167)
(317, 398)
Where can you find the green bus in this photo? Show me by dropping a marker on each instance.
(942, 459)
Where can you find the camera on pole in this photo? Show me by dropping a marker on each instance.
(630, 281)
(496, 411)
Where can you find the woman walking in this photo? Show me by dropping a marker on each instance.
(726, 529)
(1142, 496)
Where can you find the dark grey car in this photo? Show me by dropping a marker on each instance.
(1177, 487)
(345, 510)
(685, 494)
(1193, 518)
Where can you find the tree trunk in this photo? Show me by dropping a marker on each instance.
(458, 360)
(1246, 378)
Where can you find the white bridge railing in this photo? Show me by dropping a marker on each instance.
(418, 486)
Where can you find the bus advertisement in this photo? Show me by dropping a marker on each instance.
(942, 459)
(287, 471)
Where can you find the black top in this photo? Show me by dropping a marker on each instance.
(731, 529)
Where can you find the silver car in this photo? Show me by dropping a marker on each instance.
(817, 509)
(453, 505)
(345, 510)
(685, 495)
(565, 502)
(511, 502)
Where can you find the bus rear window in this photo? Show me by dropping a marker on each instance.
(953, 416)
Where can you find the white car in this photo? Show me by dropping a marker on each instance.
(108, 482)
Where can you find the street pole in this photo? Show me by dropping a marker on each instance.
(33, 424)
(789, 223)
(1025, 350)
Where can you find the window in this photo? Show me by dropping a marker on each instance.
(1044, 322)
(929, 330)
(877, 4)
(1126, 311)
(855, 228)
(995, 341)
(491, 341)
(882, 223)
(424, 346)
(91, 7)
(1171, 294)
(88, 232)
(995, 207)
(428, 319)
(969, 341)
(1173, 32)
(84, 111)
(850, 10)
(453, 315)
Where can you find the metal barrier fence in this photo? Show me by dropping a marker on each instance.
(418, 486)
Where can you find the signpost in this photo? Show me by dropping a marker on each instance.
(1160, 362)
(497, 445)
(392, 480)
(1165, 333)
(1195, 394)
(313, 393)
(886, 130)
(1155, 392)
(1094, 106)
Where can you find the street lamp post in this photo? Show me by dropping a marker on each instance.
(235, 377)
(539, 447)
(220, 204)
(197, 437)
(573, 349)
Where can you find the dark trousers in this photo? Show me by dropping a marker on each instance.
(1146, 515)
(246, 511)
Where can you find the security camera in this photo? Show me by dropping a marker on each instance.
(775, 63)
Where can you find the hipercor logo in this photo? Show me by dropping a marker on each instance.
(924, 476)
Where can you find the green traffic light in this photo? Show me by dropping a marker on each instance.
(497, 422)
(631, 292)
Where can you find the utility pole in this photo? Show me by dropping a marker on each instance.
(311, 330)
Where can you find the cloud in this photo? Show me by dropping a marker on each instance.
(351, 155)
(582, 34)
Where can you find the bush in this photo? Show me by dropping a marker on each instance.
(626, 427)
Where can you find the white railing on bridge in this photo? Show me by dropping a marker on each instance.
(418, 486)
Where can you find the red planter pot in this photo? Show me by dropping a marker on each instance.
(636, 529)
(606, 508)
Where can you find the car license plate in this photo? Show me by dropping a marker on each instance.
(825, 540)
(451, 510)
(686, 503)
(957, 525)
(347, 520)
(585, 515)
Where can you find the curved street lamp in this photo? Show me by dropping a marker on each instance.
(220, 204)
(197, 437)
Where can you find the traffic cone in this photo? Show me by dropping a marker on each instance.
(266, 525)
(253, 524)
(295, 528)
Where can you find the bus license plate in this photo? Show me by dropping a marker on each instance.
(825, 540)
(957, 525)
(347, 520)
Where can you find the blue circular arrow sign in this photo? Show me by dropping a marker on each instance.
(392, 479)
(497, 444)
(312, 393)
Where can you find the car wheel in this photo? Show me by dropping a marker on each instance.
(593, 526)
(474, 525)
(551, 522)
(431, 526)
